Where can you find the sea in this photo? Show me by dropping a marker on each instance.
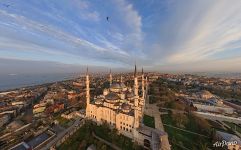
(13, 81)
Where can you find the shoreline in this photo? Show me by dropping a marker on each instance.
(32, 86)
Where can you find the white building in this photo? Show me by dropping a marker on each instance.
(122, 108)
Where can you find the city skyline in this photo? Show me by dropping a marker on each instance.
(158, 35)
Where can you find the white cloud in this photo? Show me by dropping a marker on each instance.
(187, 32)
(92, 16)
(133, 21)
(213, 29)
(77, 45)
(218, 65)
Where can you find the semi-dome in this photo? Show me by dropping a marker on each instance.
(112, 96)
(125, 106)
(129, 94)
(98, 101)
(122, 85)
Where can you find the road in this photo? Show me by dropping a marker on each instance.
(153, 110)
(78, 122)
(174, 110)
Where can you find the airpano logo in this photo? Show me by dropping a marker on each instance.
(224, 143)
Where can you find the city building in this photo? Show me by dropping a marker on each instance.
(4, 119)
(122, 108)
(232, 142)
(213, 105)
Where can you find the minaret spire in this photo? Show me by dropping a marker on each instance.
(87, 86)
(110, 77)
(136, 101)
(143, 83)
(87, 92)
(121, 79)
(135, 82)
(135, 71)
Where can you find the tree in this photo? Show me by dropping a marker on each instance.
(114, 135)
(178, 106)
(203, 146)
(136, 146)
(83, 144)
(180, 119)
(202, 124)
(103, 147)
(99, 144)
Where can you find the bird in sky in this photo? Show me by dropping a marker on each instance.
(6, 5)
(107, 18)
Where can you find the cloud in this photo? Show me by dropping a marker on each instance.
(154, 33)
(93, 16)
(205, 32)
(82, 4)
(132, 24)
(75, 45)
(217, 65)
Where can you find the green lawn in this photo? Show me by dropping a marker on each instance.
(149, 121)
(179, 138)
(185, 139)
(81, 139)
(121, 141)
(233, 126)
(166, 119)
(64, 122)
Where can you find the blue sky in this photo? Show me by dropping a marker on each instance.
(162, 35)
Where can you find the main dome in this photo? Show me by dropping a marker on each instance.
(115, 86)
(112, 96)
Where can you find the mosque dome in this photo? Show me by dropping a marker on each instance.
(125, 106)
(122, 85)
(112, 96)
(115, 86)
(98, 101)
(129, 94)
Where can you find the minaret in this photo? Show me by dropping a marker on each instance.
(135, 83)
(87, 92)
(143, 84)
(136, 101)
(121, 79)
(110, 78)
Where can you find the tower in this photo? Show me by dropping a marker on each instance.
(135, 83)
(87, 82)
(121, 79)
(136, 101)
(110, 78)
(143, 84)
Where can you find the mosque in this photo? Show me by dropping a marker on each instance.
(122, 108)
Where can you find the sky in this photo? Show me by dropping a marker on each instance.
(159, 35)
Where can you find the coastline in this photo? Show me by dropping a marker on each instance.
(11, 83)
